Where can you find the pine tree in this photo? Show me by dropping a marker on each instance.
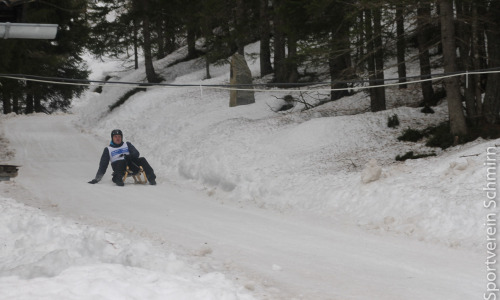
(58, 58)
(458, 126)
(329, 24)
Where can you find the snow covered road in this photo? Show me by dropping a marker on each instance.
(278, 256)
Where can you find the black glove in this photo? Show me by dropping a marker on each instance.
(93, 181)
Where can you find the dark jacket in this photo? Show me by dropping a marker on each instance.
(103, 164)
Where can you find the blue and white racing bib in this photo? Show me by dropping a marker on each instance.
(116, 154)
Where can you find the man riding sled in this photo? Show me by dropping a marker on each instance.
(122, 155)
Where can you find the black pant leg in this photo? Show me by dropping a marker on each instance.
(150, 173)
(119, 168)
(133, 164)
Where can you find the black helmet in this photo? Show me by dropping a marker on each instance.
(116, 132)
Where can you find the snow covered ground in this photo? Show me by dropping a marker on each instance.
(250, 204)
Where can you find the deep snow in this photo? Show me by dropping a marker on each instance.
(249, 204)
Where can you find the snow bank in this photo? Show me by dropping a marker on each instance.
(45, 257)
(302, 161)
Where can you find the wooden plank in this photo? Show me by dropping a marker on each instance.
(8, 171)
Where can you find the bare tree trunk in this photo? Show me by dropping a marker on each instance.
(379, 58)
(285, 67)
(160, 38)
(423, 19)
(476, 32)
(169, 37)
(265, 39)
(401, 44)
(491, 106)
(279, 45)
(207, 69)
(6, 97)
(360, 50)
(375, 61)
(472, 90)
(15, 103)
(191, 43)
(37, 100)
(457, 119)
(370, 49)
(338, 62)
(339, 58)
(471, 43)
(240, 21)
(30, 104)
(146, 32)
(136, 44)
(206, 32)
(467, 26)
(291, 61)
(7, 108)
(148, 56)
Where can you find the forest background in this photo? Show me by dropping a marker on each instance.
(345, 44)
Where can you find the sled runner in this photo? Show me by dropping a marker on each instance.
(139, 175)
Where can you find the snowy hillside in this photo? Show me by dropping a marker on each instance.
(310, 161)
(250, 203)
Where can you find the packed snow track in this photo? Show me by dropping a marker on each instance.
(287, 256)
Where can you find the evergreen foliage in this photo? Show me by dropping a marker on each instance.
(393, 121)
(58, 58)
(411, 135)
(340, 40)
(440, 136)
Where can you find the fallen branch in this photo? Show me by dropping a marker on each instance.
(470, 155)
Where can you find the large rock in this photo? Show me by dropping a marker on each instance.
(240, 74)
